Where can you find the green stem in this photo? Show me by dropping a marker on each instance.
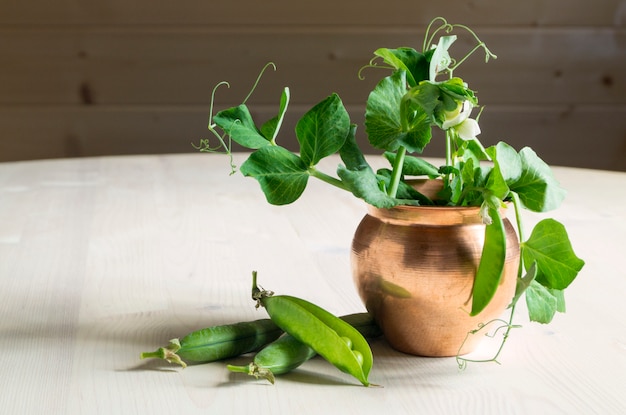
(462, 362)
(465, 192)
(448, 147)
(253, 370)
(448, 153)
(255, 287)
(158, 354)
(328, 179)
(239, 369)
(517, 204)
(166, 353)
(397, 171)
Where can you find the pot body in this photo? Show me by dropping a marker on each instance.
(414, 269)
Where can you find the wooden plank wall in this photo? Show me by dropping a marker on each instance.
(97, 77)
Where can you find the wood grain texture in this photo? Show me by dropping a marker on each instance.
(180, 67)
(323, 12)
(103, 258)
(70, 64)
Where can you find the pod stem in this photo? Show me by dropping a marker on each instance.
(258, 294)
(166, 353)
(253, 370)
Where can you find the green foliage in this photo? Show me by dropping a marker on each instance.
(283, 175)
(322, 130)
(391, 121)
(538, 189)
(414, 64)
(414, 166)
(400, 114)
(237, 122)
(270, 128)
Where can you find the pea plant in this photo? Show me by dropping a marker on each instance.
(419, 93)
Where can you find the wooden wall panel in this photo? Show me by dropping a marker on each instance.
(321, 12)
(181, 67)
(87, 77)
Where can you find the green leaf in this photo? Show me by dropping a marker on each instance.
(524, 282)
(496, 183)
(270, 128)
(426, 95)
(359, 177)
(455, 90)
(550, 247)
(414, 63)
(491, 263)
(467, 172)
(405, 191)
(322, 131)
(541, 303)
(363, 184)
(537, 188)
(282, 175)
(382, 118)
(391, 121)
(472, 148)
(239, 125)
(560, 300)
(452, 189)
(435, 98)
(471, 184)
(414, 166)
(508, 161)
(351, 154)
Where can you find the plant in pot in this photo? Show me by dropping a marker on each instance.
(435, 258)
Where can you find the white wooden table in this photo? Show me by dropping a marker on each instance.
(103, 258)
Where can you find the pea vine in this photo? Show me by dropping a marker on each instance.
(401, 113)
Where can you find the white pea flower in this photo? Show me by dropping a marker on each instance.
(467, 128)
(457, 116)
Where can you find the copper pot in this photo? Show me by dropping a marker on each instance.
(414, 268)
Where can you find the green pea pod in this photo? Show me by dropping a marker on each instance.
(218, 342)
(320, 330)
(287, 353)
(281, 356)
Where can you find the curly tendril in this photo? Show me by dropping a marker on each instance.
(504, 325)
(211, 126)
(449, 28)
(258, 79)
(226, 145)
(224, 140)
(373, 64)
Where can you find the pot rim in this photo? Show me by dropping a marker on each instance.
(430, 215)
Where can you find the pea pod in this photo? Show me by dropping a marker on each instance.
(280, 356)
(320, 330)
(287, 353)
(218, 342)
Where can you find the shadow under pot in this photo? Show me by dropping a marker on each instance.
(414, 269)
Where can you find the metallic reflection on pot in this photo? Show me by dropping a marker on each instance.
(414, 269)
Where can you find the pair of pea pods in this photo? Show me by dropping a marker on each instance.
(296, 331)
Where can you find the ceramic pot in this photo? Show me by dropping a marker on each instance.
(414, 269)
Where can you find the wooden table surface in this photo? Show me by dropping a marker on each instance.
(103, 258)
